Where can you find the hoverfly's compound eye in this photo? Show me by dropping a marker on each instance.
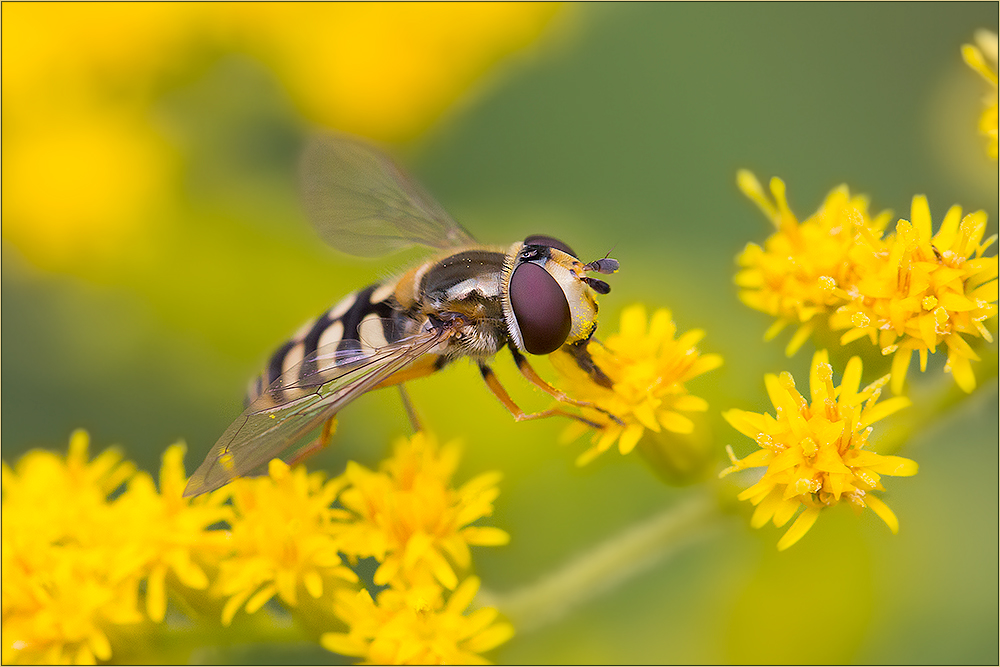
(540, 308)
(541, 239)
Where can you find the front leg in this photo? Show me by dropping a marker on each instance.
(520, 415)
(534, 378)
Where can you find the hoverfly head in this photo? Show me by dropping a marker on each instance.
(546, 298)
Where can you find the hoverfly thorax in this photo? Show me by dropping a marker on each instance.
(548, 301)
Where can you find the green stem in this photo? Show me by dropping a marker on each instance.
(607, 566)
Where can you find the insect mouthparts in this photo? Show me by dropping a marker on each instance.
(598, 286)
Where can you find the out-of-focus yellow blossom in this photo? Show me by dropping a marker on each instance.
(416, 627)
(408, 516)
(916, 292)
(796, 275)
(281, 540)
(89, 170)
(983, 59)
(648, 367)
(814, 449)
(384, 70)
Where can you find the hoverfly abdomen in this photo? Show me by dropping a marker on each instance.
(338, 329)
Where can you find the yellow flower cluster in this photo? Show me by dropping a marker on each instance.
(906, 291)
(815, 450)
(916, 291)
(409, 518)
(282, 540)
(417, 626)
(983, 59)
(794, 277)
(648, 368)
(80, 539)
(91, 552)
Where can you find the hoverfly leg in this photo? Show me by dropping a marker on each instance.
(410, 412)
(520, 415)
(534, 378)
(329, 426)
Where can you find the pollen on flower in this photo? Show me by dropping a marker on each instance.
(815, 450)
(795, 275)
(648, 365)
(422, 625)
(908, 291)
(983, 59)
(915, 292)
(411, 519)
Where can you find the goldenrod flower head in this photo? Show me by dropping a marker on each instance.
(171, 531)
(74, 561)
(916, 292)
(648, 367)
(796, 275)
(282, 538)
(814, 449)
(416, 626)
(66, 579)
(983, 59)
(409, 517)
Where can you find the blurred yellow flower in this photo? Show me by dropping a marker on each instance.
(916, 291)
(416, 627)
(281, 539)
(983, 59)
(814, 449)
(796, 275)
(90, 167)
(648, 367)
(408, 516)
(384, 70)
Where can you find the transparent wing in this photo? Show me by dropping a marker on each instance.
(299, 401)
(362, 203)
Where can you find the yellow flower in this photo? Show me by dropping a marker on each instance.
(67, 577)
(416, 626)
(408, 516)
(814, 449)
(983, 59)
(916, 292)
(387, 70)
(281, 539)
(796, 275)
(83, 86)
(648, 368)
(172, 532)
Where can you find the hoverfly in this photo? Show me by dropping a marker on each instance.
(468, 301)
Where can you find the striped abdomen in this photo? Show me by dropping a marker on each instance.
(338, 327)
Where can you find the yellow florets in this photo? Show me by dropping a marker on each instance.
(815, 450)
(418, 626)
(796, 275)
(916, 292)
(908, 291)
(983, 59)
(648, 367)
(409, 517)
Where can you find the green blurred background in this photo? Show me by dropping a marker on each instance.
(142, 290)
